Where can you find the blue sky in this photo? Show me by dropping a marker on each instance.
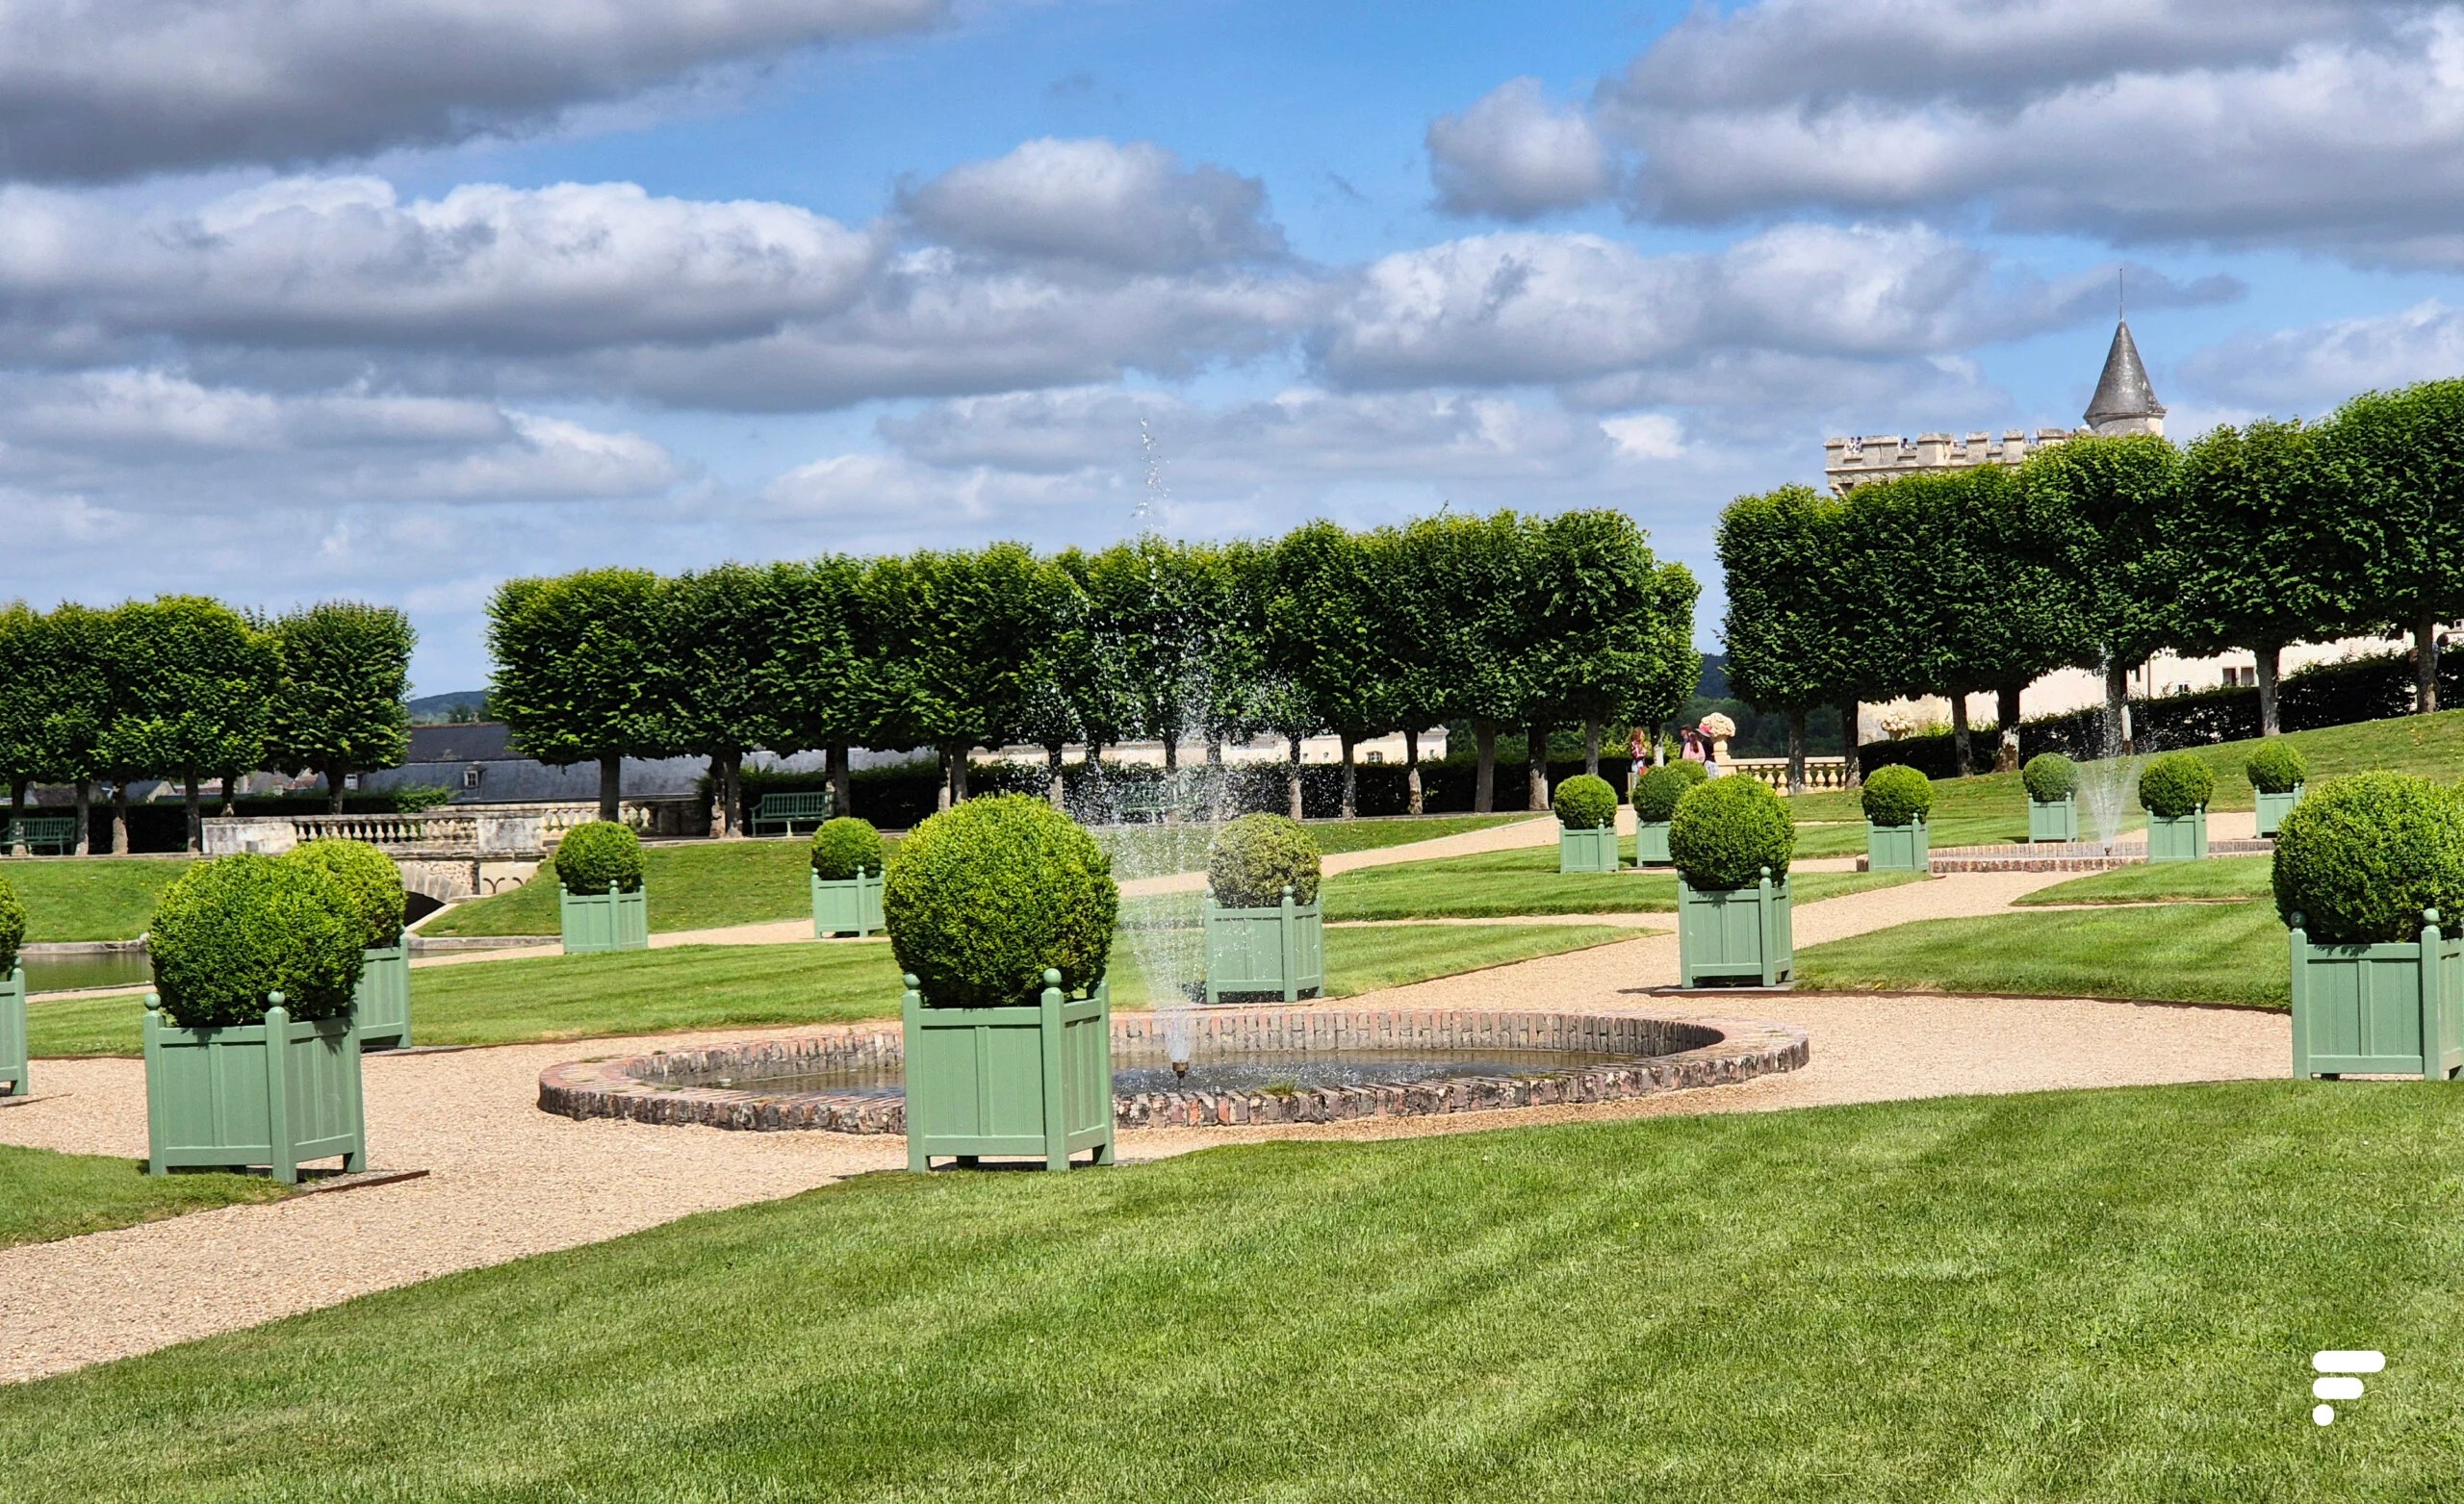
(397, 300)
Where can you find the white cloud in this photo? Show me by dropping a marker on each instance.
(95, 90)
(2314, 368)
(1511, 155)
(1132, 206)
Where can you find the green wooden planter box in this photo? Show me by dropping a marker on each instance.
(2390, 1009)
(12, 1034)
(1898, 848)
(382, 1004)
(276, 1094)
(595, 922)
(1734, 935)
(2054, 820)
(2273, 807)
(847, 906)
(1281, 949)
(1651, 843)
(2178, 837)
(1587, 851)
(1032, 1081)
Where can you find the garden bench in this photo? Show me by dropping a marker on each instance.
(786, 810)
(56, 833)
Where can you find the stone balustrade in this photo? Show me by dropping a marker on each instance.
(468, 832)
(1821, 773)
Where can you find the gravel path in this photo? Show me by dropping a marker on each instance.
(508, 1180)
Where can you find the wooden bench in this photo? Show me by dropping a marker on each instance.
(786, 810)
(35, 832)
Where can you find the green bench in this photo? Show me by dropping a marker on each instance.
(1153, 799)
(37, 832)
(788, 810)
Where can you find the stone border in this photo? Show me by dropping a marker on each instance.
(2065, 856)
(1657, 1054)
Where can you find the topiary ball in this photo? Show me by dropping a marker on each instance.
(1725, 832)
(1255, 857)
(1898, 795)
(233, 930)
(2277, 766)
(369, 880)
(12, 927)
(2360, 857)
(2175, 785)
(2051, 778)
(981, 900)
(599, 856)
(844, 847)
(1585, 802)
(1656, 795)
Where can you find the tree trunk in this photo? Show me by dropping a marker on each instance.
(2270, 662)
(736, 795)
(2006, 725)
(1485, 779)
(1171, 777)
(334, 777)
(1963, 749)
(1591, 747)
(231, 793)
(611, 786)
(85, 817)
(196, 813)
(1056, 788)
(2117, 707)
(1292, 775)
(119, 817)
(1352, 778)
(1797, 751)
(18, 817)
(1412, 773)
(1218, 786)
(958, 772)
(1853, 775)
(842, 783)
(942, 799)
(1535, 747)
(2425, 663)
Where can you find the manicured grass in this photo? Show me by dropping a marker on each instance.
(46, 1195)
(2180, 953)
(2159, 883)
(710, 986)
(1494, 885)
(92, 897)
(1847, 838)
(2108, 1297)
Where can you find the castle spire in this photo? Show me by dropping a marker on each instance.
(2124, 401)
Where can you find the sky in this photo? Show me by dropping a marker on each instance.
(395, 300)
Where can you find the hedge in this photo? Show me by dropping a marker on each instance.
(1585, 802)
(2277, 766)
(233, 930)
(1255, 857)
(1657, 792)
(1898, 796)
(2051, 778)
(2175, 785)
(2360, 857)
(599, 856)
(367, 880)
(981, 900)
(1723, 833)
(844, 847)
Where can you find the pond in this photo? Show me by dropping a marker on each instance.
(53, 972)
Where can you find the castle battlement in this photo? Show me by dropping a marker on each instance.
(1851, 462)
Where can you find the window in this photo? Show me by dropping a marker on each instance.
(1377, 756)
(351, 781)
(472, 775)
(2241, 677)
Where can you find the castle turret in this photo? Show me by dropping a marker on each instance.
(2124, 401)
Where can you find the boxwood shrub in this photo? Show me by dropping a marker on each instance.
(2174, 784)
(844, 847)
(233, 930)
(982, 898)
(12, 927)
(2051, 778)
(2277, 766)
(1657, 792)
(1585, 802)
(1898, 795)
(2360, 857)
(1256, 857)
(1724, 832)
(599, 856)
(369, 880)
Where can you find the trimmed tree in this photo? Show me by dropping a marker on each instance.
(2395, 461)
(338, 704)
(1787, 626)
(1328, 636)
(193, 683)
(2102, 500)
(581, 673)
(1615, 626)
(961, 636)
(821, 679)
(25, 677)
(720, 624)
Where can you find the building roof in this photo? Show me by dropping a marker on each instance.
(2123, 390)
(481, 741)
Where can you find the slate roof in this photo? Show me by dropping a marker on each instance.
(2123, 390)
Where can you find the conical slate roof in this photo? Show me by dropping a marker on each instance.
(2123, 390)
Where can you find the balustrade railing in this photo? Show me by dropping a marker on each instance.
(449, 831)
(1821, 773)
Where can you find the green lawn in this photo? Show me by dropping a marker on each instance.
(46, 1195)
(1496, 885)
(90, 898)
(708, 986)
(2108, 1297)
(2182, 953)
(2161, 883)
(1847, 838)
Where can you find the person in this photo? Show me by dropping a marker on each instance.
(1694, 749)
(1638, 747)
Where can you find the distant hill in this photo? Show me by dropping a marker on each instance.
(436, 710)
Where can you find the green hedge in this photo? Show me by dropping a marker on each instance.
(599, 856)
(2277, 766)
(980, 901)
(1656, 793)
(369, 880)
(844, 847)
(1584, 801)
(2051, 778)
(1255, 857)
(1898, 796)
(235, 929)
(2360, 857)
(2174, 784)
(1723, 833)
(13, 927)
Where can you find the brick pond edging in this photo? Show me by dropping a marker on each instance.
(2065, 856)
(1653, 1054)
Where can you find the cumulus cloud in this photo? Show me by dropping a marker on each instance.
(1511, 155)
(96, 89)
(2313, 368)
(1134, 206)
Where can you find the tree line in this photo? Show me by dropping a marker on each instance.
(185, 688)
(1508, 623)
(2098, 552)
